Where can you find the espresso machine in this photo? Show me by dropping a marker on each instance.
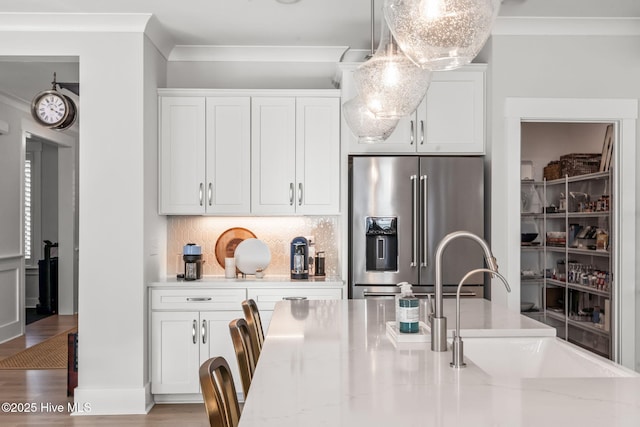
(192, 257)
(299, 258)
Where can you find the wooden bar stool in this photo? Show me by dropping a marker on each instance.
(243, 346)
(219, 393)
(252, 316)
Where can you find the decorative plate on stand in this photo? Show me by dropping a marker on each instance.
(229, 240)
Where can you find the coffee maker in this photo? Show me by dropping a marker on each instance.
(299, 258)
(192, 256)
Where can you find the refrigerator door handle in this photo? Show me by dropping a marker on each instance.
(414, 221)
(424, 181)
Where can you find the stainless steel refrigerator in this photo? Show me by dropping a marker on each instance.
(400, 207)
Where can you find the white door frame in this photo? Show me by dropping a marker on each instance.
(623, 113)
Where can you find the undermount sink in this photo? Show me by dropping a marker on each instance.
(538, 357)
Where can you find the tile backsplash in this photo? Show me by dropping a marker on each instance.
(276, 232)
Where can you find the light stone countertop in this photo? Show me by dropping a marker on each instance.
(330, 363)
(269, 281)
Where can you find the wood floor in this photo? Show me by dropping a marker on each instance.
(42, 389)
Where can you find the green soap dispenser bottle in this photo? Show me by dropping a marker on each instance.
(408, 310)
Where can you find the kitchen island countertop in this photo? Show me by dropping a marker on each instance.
(330, 363)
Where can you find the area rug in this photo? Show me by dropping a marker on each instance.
(49, 354)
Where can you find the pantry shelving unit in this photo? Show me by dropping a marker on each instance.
(566, 270)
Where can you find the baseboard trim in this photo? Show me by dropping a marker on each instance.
(116, 401)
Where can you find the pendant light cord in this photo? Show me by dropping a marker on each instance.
(373, 15)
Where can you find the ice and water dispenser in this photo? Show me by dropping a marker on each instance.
(382, 243)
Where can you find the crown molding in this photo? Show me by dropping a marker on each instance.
(258, 53)
(145, 23)
(68, 22)
(160, 38)
(560, 26)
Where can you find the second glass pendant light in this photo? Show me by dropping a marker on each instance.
(389, 83)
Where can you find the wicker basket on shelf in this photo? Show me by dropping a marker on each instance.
(580, 163)
(553, 170)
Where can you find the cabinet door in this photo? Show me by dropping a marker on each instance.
(273, 144)
(228, 158)
(317, 155)
(174, 352)
(182, 155)
(215, 339)
(404, 138)
(453, 114)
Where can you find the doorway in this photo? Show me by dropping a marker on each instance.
(623, 114)
(54, 217)
(22, 78)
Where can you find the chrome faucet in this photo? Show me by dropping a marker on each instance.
(439, 322)
(457, 349)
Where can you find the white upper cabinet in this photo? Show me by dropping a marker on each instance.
(245, 152)
(228, 155)
(205, 155)
(295, 155)
(273, 148)
(182, 155)
(453, 114)
(318, 155)
(449, 120)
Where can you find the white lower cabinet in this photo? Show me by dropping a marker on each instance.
(190, 325)
(266, 299)
(187, 328)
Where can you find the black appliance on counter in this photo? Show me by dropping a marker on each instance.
(299, 258)
(48, 281)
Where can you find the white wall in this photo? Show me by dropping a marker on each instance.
(553, 67)
(251, 75)
(155, 226)
(116, 131)
(544, 142)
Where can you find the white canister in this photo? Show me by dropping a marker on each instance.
(230, 268)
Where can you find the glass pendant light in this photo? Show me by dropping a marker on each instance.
(364, 125)
(389, 83)
(441, 34)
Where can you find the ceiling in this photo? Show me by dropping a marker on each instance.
(232, 23)
(304, 23)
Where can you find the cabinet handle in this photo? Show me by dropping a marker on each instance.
(198, 299)
(411, 129)
(424, 181)
(414, 221)
(421, 132)
(193, 331)
(204, 332)
(300, 194)
(201, 193)
(291, 194)
(210, 193)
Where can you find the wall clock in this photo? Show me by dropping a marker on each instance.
(53, 109)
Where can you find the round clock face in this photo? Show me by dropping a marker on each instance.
(50, 108)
